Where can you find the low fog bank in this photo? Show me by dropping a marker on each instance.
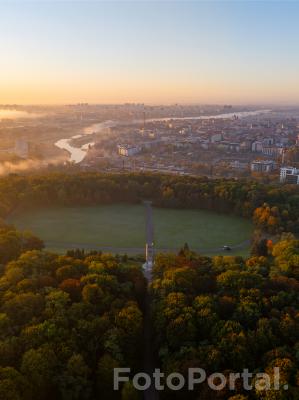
(8, 167)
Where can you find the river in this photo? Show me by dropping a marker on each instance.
(77, 154)
(240, 114)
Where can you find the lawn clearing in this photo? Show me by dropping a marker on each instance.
(120, 227)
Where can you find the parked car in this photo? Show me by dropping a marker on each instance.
(226, 248)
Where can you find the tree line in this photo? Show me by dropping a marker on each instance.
(274, 208)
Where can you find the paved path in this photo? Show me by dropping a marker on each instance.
(149, 354)
(149, 235)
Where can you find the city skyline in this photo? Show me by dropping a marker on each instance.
(149, 52)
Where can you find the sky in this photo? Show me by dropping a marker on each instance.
(237, 52)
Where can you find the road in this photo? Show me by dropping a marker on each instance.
(149, 353)
(149, 223)
(149, 235)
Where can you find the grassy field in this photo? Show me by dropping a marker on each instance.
(123, 226)
(200, 229)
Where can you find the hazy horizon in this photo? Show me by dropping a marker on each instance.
(150, 104)
(149, 52)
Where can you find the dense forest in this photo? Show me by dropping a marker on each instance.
(274, 208)
(67, 320)
(227, 314)
(65, 323)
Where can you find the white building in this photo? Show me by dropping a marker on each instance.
(262, 166)
(257, 146)
(269, 141)
(289, 175)
(272, 151)
(127, 150)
